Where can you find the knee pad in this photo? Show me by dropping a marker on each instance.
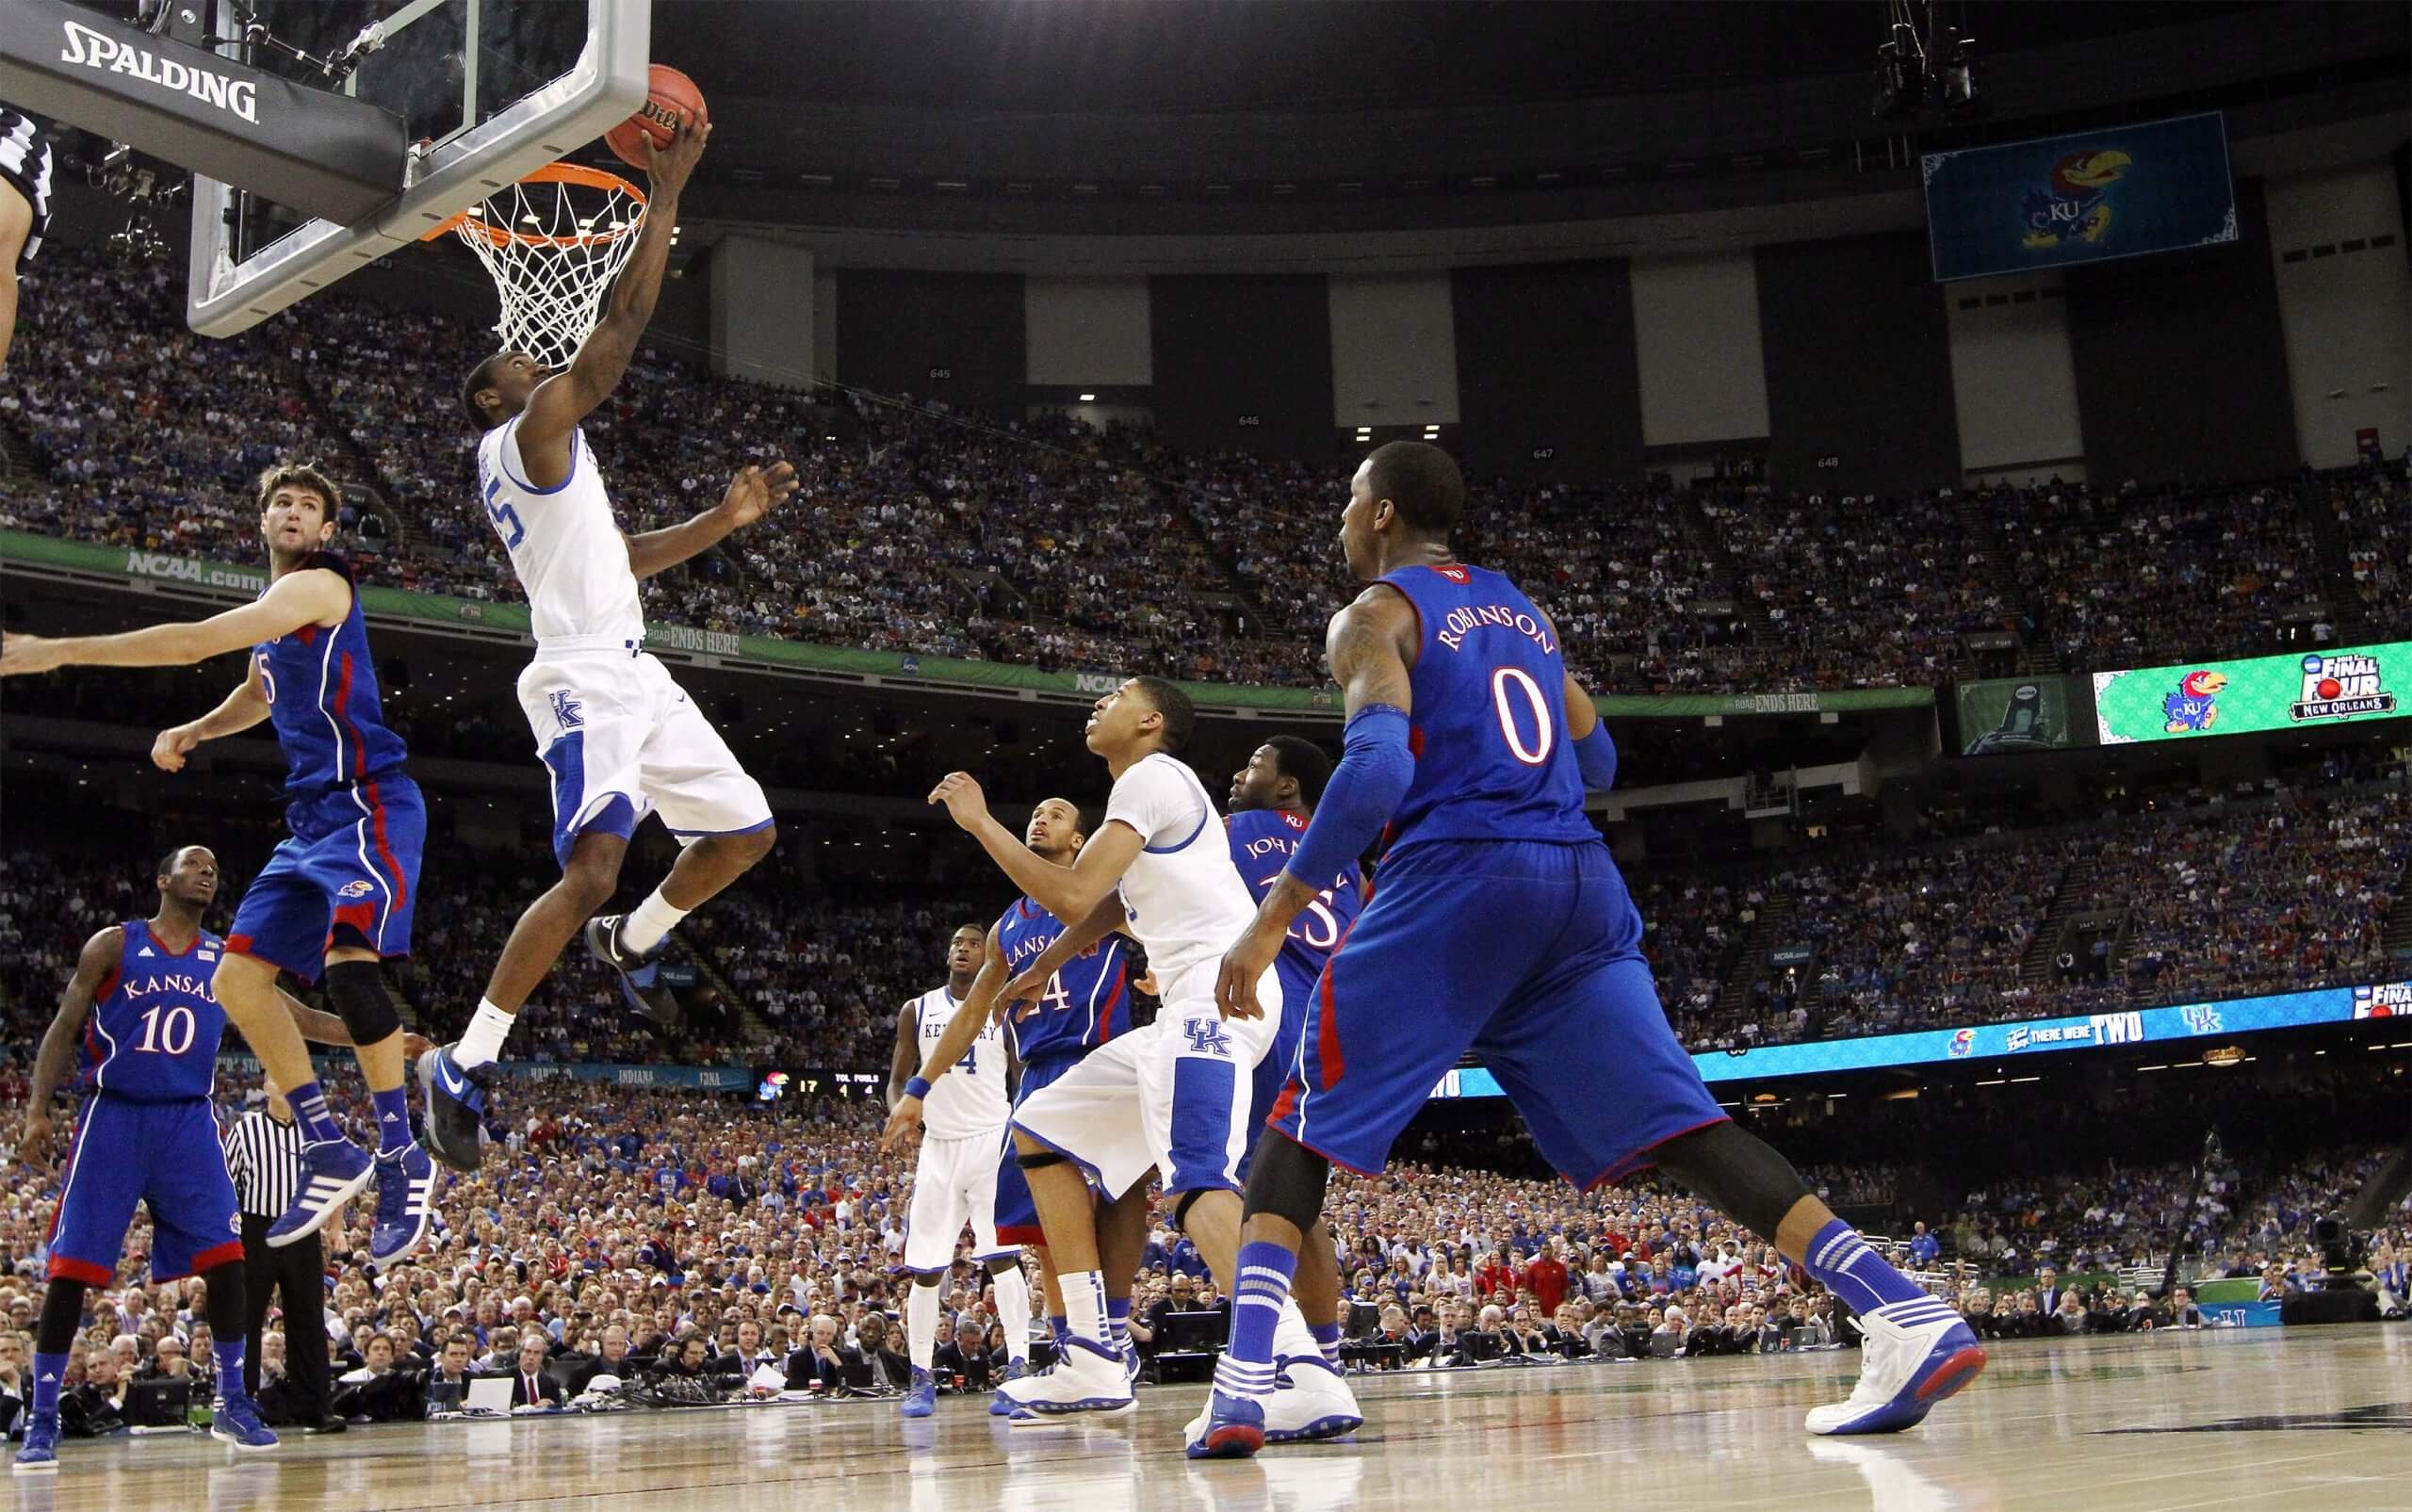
(1039, 1161)
(364, 1000)
(1180, 1209)
(1287, 1181)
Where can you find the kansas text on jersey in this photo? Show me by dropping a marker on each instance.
(154, 1034)
(1087, 1002)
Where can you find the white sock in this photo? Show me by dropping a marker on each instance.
(1084, 1305)
(481, 1041)
(921, 1304)
(646, 926)
(1013, 1312)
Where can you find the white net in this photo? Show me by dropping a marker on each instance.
(553, 243)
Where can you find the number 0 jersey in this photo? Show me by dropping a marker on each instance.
(969, 1103)
(153, 1036)
(563, 544)
(1488, 726)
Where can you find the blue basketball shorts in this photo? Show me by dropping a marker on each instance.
(1016, 1215)
(349, 875)
(1527, 952)
(1280, 1061)
(164, 1155)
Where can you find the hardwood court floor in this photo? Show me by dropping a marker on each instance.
(2301, 1418)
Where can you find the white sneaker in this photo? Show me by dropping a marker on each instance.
(1915, 1354)
(1316, 1403)
(1089, 1378)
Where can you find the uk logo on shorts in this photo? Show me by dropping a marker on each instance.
(356, 888)
(566, 711)
(1206, 1038)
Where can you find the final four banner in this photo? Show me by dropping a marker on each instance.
(2087, 197)
(2352, 684)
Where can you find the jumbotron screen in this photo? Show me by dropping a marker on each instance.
(2249, 694)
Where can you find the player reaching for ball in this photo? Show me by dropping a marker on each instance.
(619, 738)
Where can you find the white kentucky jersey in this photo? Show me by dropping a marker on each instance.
(969, 1103)
(563, 544)
(1185, 899)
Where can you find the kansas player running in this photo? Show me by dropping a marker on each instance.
(140, 1010)
(619, 738)
(954, 1182)
(342, 889)
(1500, 925)
(1072, 1008)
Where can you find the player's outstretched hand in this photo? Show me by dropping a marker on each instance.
(965, 803)
(21, 655)
(755, 491)
(1022, 993)
(903, 1131)
(667, 168)
(414, 1046)
(1243, 966)
(33, 1141)
(175, 743)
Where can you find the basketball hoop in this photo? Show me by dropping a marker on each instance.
(552, 242)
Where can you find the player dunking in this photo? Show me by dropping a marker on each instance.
(955, 1181)
(1499, 924)
(1085, 1001)
(343, 888)
(618, 736)
(139, 1010)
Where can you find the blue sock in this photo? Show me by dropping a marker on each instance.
(393, 1120)
(1328, 1340)
(1245, 1369)
(310, 1111)
(1118, 1322)
(230, 1370)
(1844, 1263)
(50, 1372)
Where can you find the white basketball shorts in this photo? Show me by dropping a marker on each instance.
(1173, 1096)
(954, 1183)
(621, 739)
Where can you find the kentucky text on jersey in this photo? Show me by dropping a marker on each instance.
(322, 697)
(154, 1034)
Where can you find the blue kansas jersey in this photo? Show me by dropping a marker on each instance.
(1262, 841)
(153, 1036)
(1489, 728)
(1087, 1003)
(322, 696)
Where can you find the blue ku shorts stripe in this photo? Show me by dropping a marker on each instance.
(164, 1155)
(1525, 952)
(349, 875)
(1280, 1061)
(1016, 1215)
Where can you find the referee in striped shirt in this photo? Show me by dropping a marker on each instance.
(25, 209)
(263, 1155)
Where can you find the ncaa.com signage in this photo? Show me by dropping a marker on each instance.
(160, 565)
(104, 54)
(1096, 682)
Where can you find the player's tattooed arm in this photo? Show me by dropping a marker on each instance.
(239, 711)
(58, 1053)
(315, 596)
(752, 493)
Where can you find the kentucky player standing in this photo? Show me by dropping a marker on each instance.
(342, 889)
(1499, 925)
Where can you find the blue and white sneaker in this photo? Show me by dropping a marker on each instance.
(333, 1171)
(1089, 1378)
(921, 1397)
(1915, 1354)
(234, 1420)
(41, 1451)
(1000, 1404)
(1313, 1403)
(456, 1108)
(640, 975)
(405, 1187)
(1232, 1427)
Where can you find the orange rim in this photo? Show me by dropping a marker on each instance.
(571, 174)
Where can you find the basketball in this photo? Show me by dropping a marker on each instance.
(672, 98)
(2330, 687)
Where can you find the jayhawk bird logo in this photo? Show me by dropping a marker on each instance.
(2193, 709)
(2077, 202)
